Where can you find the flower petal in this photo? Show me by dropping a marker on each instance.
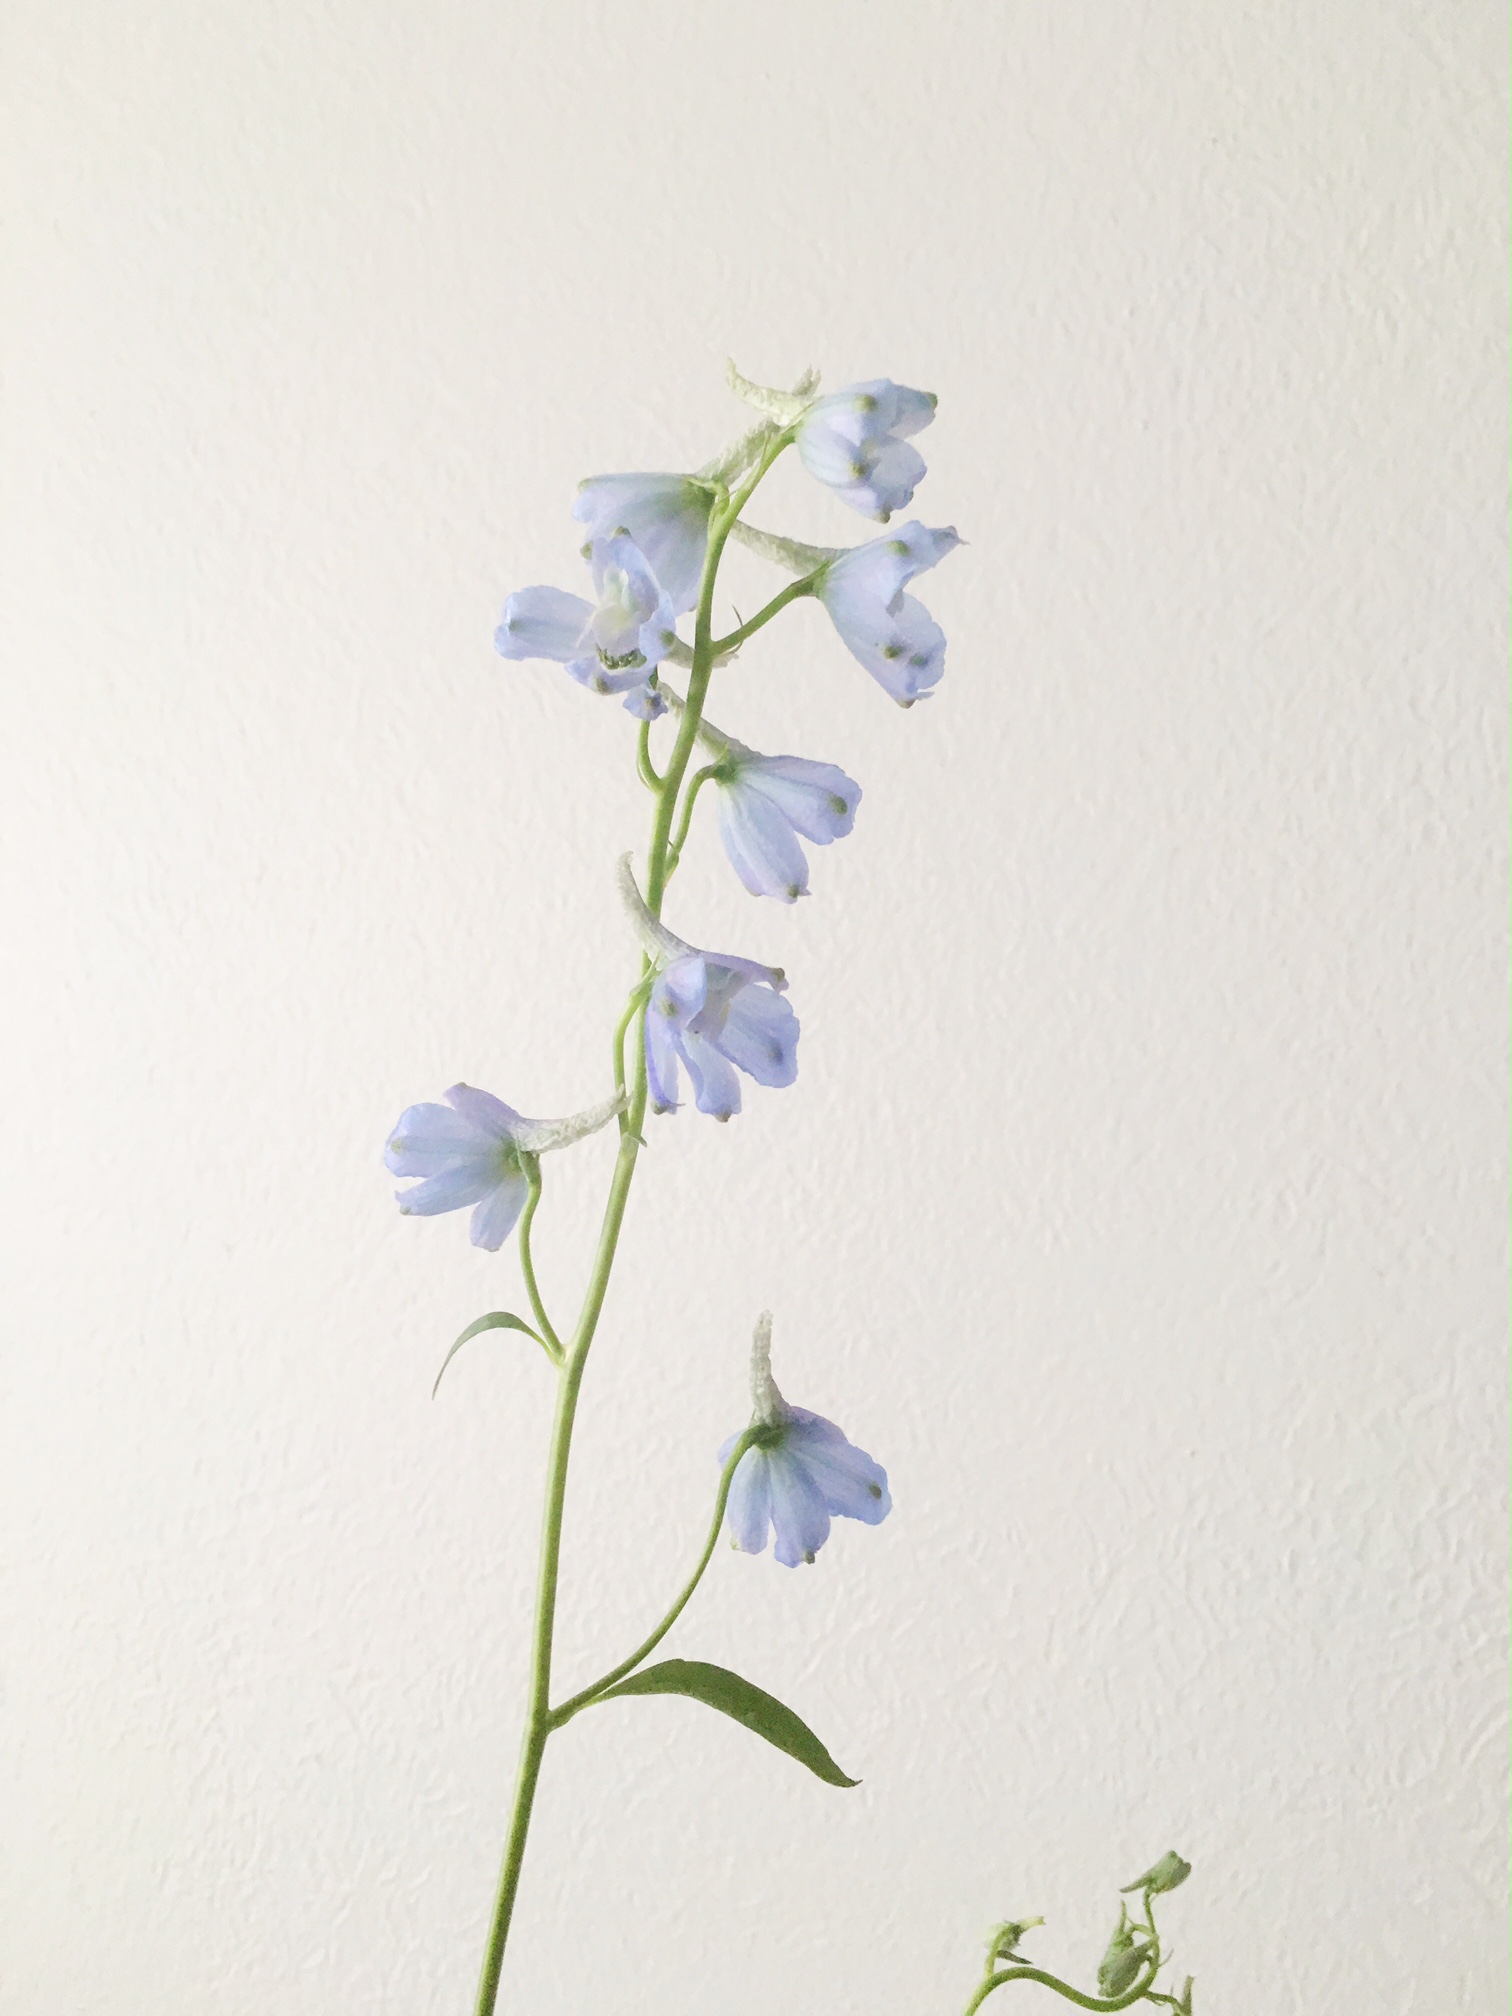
(449, 1190)
(816, 798)
(663, 1050)
(760, 842)
(481, 1110)
(760, 1034)
(716, 1089)
(667, 517)
(852, 1485)
(431, 1138)
(748, 1509)
(799, 1520)
(542, 623)
(494, 1219)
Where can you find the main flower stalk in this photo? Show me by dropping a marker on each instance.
(539, 1719)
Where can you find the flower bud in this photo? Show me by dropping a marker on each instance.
(1120, 1965)
(1004, 1938)
(1169, 1873)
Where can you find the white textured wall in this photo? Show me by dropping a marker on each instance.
(1140, 1198)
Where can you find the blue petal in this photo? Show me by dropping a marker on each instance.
(481, 1110)
(760, 1034)
(748, 1510)
(760, 842)
(716, 1089)
(494, 1219)
(799, 1520)
(542, 623)
(646, 703)
(429, 1139)
(450, 1189)
(852, 1485)
(816, 798)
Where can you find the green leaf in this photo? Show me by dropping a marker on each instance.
(497, 1319)
(719, 1688)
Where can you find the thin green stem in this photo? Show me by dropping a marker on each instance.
(1124, 2001)
(633, 1006)
(539, 1721)
(650, 776)
(759, 621)
(527, 1266)
(695, 785)
(642, 1651)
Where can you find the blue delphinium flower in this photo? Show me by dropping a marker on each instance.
(765, 802)
(801, 1473)
(473, 1151)
(666, 516)
(892, 635)
(711, 1013)
(853, 440)
(611, 646)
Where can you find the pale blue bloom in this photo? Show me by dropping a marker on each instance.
(853, 440)
(801, 1473)
(474, 1151)
(666, 516)
(611, 646)
(892, 635)
(712, 1014)
(765, 802)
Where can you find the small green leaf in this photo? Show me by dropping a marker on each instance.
(497, 1319)
(719, 1688)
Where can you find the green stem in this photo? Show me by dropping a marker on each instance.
(527, 1267)
(650, 776)
(764, 616)
(539, 1721)
(696, 784)
(642, 1651)
(1124, 2001)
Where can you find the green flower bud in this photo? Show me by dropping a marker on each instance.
(1120, 1965)
(1169, 1873)
(1004, 1938)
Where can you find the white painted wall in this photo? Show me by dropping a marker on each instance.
(1140, 1199)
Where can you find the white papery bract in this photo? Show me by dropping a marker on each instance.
(711, 1014)
(802, 1473)
(854, 441)
(666, 516)
(890, 633)
(766, 802)
(611, 646)
(472, 1151)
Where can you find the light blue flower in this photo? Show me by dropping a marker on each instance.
(475, 1151)
(610, 646)
(712, 1014)
(765, 802)
(892, 635)
(853, 440)
(801, 1473)
(666, 516)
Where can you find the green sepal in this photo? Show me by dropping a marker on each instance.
(497, 1319)
(743, 1702)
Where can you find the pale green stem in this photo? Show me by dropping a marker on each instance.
(1124, 2001)
(764, 616)
(650, 776)
(527, 1266)
(538, 1723)
(695, 785)
(643, 1651)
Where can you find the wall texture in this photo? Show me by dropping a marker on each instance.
(1140, 1200)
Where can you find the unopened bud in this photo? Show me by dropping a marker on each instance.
(1002, 1939)
(1121, 1963)
(1169, 1873)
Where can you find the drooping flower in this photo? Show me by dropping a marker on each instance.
(801, 1472)
(476, 1151)
(765, 802)
(712, 1014)
(666, 516)
(891, 634)
(853, 440)
(611, 646)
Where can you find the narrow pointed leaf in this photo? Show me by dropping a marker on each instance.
(719, 1688)
(497, 1319)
